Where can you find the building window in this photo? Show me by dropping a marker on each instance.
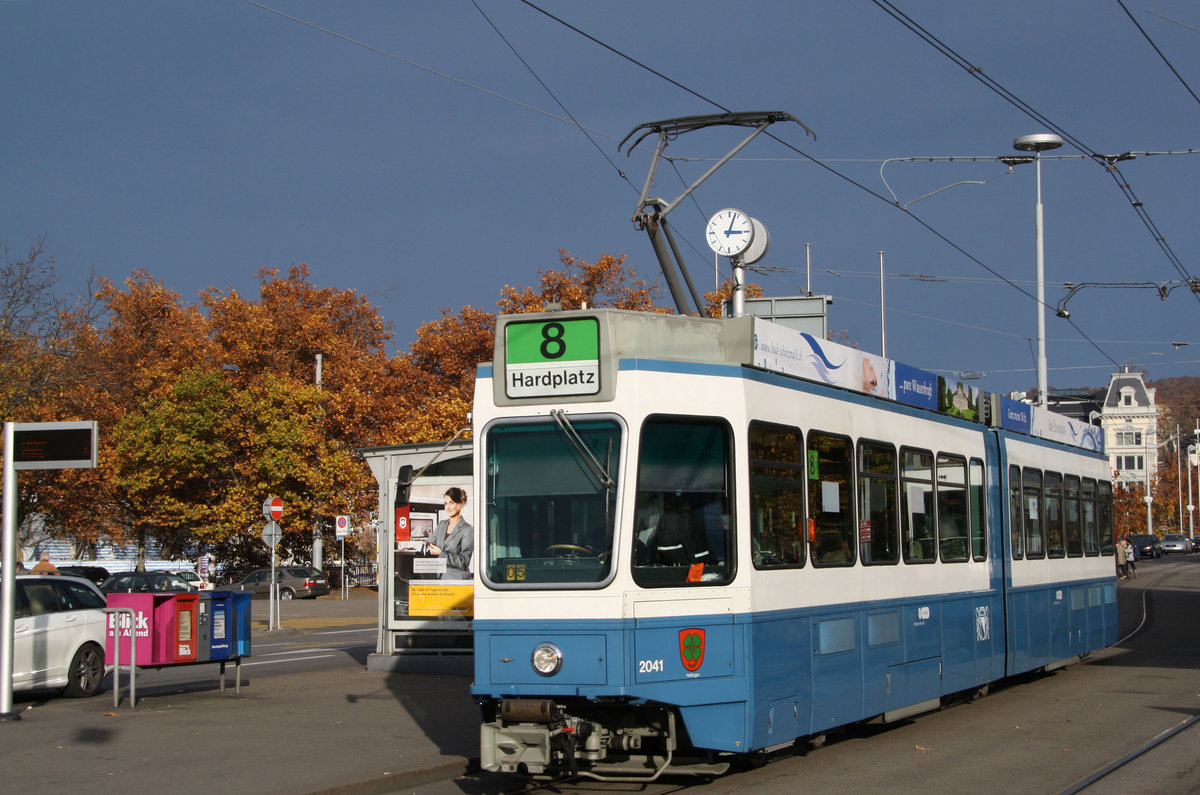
(1130, 462)
(1129, 438)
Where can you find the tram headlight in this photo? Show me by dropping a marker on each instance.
(547, 659)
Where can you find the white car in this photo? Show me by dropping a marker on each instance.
(193, 579)
(58, 634)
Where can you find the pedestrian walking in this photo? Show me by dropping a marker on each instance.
(1122, 565)
(1131, 556)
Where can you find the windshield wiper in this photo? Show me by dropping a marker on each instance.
(598, 470)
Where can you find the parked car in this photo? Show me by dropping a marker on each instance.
(145, 582)
(1147, 546)
(193, 579)
(295, 582)
(1176, 542)
(58, 634)
(1196, 543)
(94, 574)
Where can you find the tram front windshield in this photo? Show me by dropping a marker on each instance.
(550, 501)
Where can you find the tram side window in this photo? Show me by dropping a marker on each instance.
(684, 529)
(831, 528)
(1052, 495)
(1016, 512)
(1071, 516)
(1104, 513)
(952, 508)
(916, 507)
(1091, 528)
(978, 512)
(776, 496)
(878, 504)
(1031, 486)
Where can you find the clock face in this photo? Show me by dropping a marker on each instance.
(729, 232)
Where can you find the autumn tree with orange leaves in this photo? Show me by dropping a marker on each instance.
(207, 409)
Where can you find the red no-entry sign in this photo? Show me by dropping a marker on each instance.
(272, 509)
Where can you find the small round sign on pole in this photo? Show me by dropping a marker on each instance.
(271, 533)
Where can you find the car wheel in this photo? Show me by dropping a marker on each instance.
(287, 593)
(86, 672)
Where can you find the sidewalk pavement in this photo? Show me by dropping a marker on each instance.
(346, 730)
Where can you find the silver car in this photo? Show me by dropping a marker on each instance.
(295, 582)
(59, 632)
(1176, 542)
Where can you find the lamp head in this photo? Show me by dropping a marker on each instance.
(1038, 142)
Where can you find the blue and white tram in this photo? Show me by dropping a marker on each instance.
(684, 557)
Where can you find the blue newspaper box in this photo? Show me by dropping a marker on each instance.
(220, 622)
(239, 620)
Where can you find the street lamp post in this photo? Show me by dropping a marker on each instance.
(1038, 143)
(1149, 498)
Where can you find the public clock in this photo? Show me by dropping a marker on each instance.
(729, 232)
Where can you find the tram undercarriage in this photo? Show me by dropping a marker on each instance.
(616, 741)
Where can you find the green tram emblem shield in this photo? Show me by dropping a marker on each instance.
(552, 358)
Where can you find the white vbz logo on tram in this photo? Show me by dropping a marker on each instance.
(923, 612)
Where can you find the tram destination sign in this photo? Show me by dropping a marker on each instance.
(54, 445)
(552, 358)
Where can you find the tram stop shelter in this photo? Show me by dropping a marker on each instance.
(424, 621)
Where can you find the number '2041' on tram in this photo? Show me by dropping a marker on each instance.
(688, 553)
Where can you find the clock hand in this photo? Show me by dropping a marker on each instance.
(730, 231)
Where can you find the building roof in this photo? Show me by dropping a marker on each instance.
(1142, 395)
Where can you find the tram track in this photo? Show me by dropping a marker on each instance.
(1098, 776)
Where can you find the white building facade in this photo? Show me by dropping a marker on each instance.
(1130, 421)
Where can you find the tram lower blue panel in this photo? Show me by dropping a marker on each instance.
(750, 681)
(1052, 623)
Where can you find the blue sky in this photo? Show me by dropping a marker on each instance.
(423, 164)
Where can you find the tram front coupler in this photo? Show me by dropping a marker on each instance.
(540, 738)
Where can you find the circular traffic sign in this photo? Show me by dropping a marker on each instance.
(271, 533)
(272, 509)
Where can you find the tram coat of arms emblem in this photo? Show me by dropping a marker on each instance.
(691, 648)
